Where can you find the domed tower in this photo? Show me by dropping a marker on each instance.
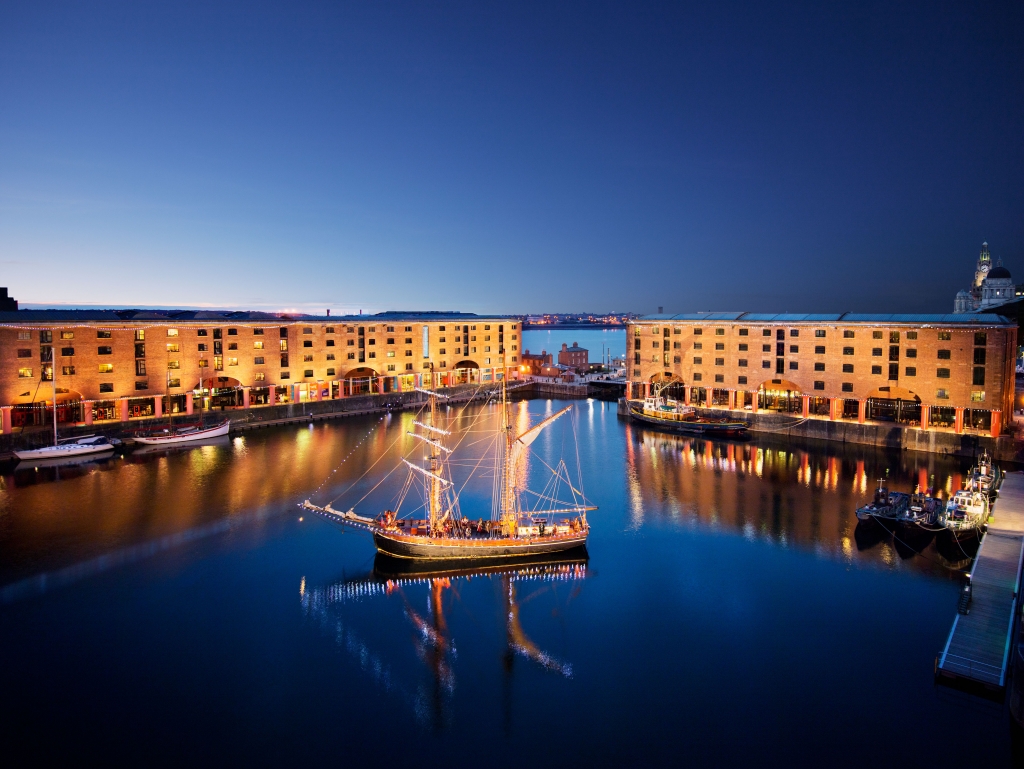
(984, 265)
(964, 302)
(997, 287)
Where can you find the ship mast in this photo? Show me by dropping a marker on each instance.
(508, 498)
(434, 515)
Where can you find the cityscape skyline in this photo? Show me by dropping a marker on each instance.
(322, 155)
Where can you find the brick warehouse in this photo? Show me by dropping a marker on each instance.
(946, 372)
(121, 365)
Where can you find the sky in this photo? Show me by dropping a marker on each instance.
(509, 157)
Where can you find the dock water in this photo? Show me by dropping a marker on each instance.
(977, 650)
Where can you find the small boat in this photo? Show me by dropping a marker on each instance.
(676, 417)
(985, 476)
(70, 447)
(183, 435)
(967, 510)
(890, 505)
(924, 507)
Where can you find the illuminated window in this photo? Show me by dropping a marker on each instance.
(257, 345)
(284, 345)
(945, 336)
(260, 376)
(232, 361)
(174, 383)
(218, 363)
(25, 373)
(67, 334)
(204, 363)
(172, 347)
(307, 358)
(172, 332)
(173, 364)
(69, 370)
(977, 397)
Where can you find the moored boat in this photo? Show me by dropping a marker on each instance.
(890, 505)
(668, 414)
(966, 510)
(183, 435)
(985, 476)
(71, 447)
(924, 506)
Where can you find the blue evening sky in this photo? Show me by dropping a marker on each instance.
(509, 157)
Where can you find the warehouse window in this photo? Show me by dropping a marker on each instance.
(720, 378)
(142, 385)
(876, 352)
(25, 373)
(819, 366)
(258, 361)
(24, 353)
(741, 380)
(849, 351)
(819, 332)
(106, 387)
(104, 350)
(980, 339)
(941, 393)
(742, 362)
(847, 334)
(910, 371)
(942, 373)
(743, 331)
(766, 364)
(978, 397)
(944, 355)
(847, 368)
(877, 370)
(819, 349)
(847, 387)
(793, 365)
(876, 334)
(69, 370)
(945, 336)
(819, 385)
(102, 334)
(979, 376)
(910, 352)
(794, 348)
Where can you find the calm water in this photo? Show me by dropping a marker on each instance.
(178, 606)
(614, 339)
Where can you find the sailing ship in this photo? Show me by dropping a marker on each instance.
(673, 416)
(186, 434)
(512, 530)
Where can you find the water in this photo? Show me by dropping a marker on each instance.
(178, 606)
(551, 339)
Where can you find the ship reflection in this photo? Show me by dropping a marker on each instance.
(432, 639)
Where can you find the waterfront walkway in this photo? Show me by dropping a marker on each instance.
(978, 647)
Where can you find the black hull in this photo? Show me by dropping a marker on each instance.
(388, 567)
(729, 429)
(453, 550)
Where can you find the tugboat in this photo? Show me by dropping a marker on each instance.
(891, 505)
(513, 531)
(967, 510)
(673, 416)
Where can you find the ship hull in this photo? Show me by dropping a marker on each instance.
(692, 427)
(423, 548)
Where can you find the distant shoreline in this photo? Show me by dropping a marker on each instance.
(540, 326)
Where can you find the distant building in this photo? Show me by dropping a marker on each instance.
(7, 304)
(534, 363)
(992, 286)
(575, 357)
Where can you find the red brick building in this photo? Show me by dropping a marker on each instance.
(574, 357)
(532, 363)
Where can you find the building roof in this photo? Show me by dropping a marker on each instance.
(223, 316)
(998, 272)
(842, 317)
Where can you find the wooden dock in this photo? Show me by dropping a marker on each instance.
(978, 648)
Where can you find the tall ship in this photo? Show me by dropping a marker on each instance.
(511, 529)
(673, 416)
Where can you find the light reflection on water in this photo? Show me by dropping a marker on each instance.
(728, 587)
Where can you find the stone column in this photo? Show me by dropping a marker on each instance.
(124, 409)
(806, 404)
(7, 428)
(86, 413)
(319, 392)
(862, 411)
(158, 406)
(245, 397)
(958, 421)
(926, 416)
(188, 403)
(835, 408)
(271, 394)
(686, 395)
(732, 400)
(380, 385)
(997, 423)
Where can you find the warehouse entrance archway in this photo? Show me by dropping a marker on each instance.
(467, 372)
(360, 381)
(894, 404)
(780, 395)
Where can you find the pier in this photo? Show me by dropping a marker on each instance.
(978, 648)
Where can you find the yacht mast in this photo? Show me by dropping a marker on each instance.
(434, 515)
(508, 502)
